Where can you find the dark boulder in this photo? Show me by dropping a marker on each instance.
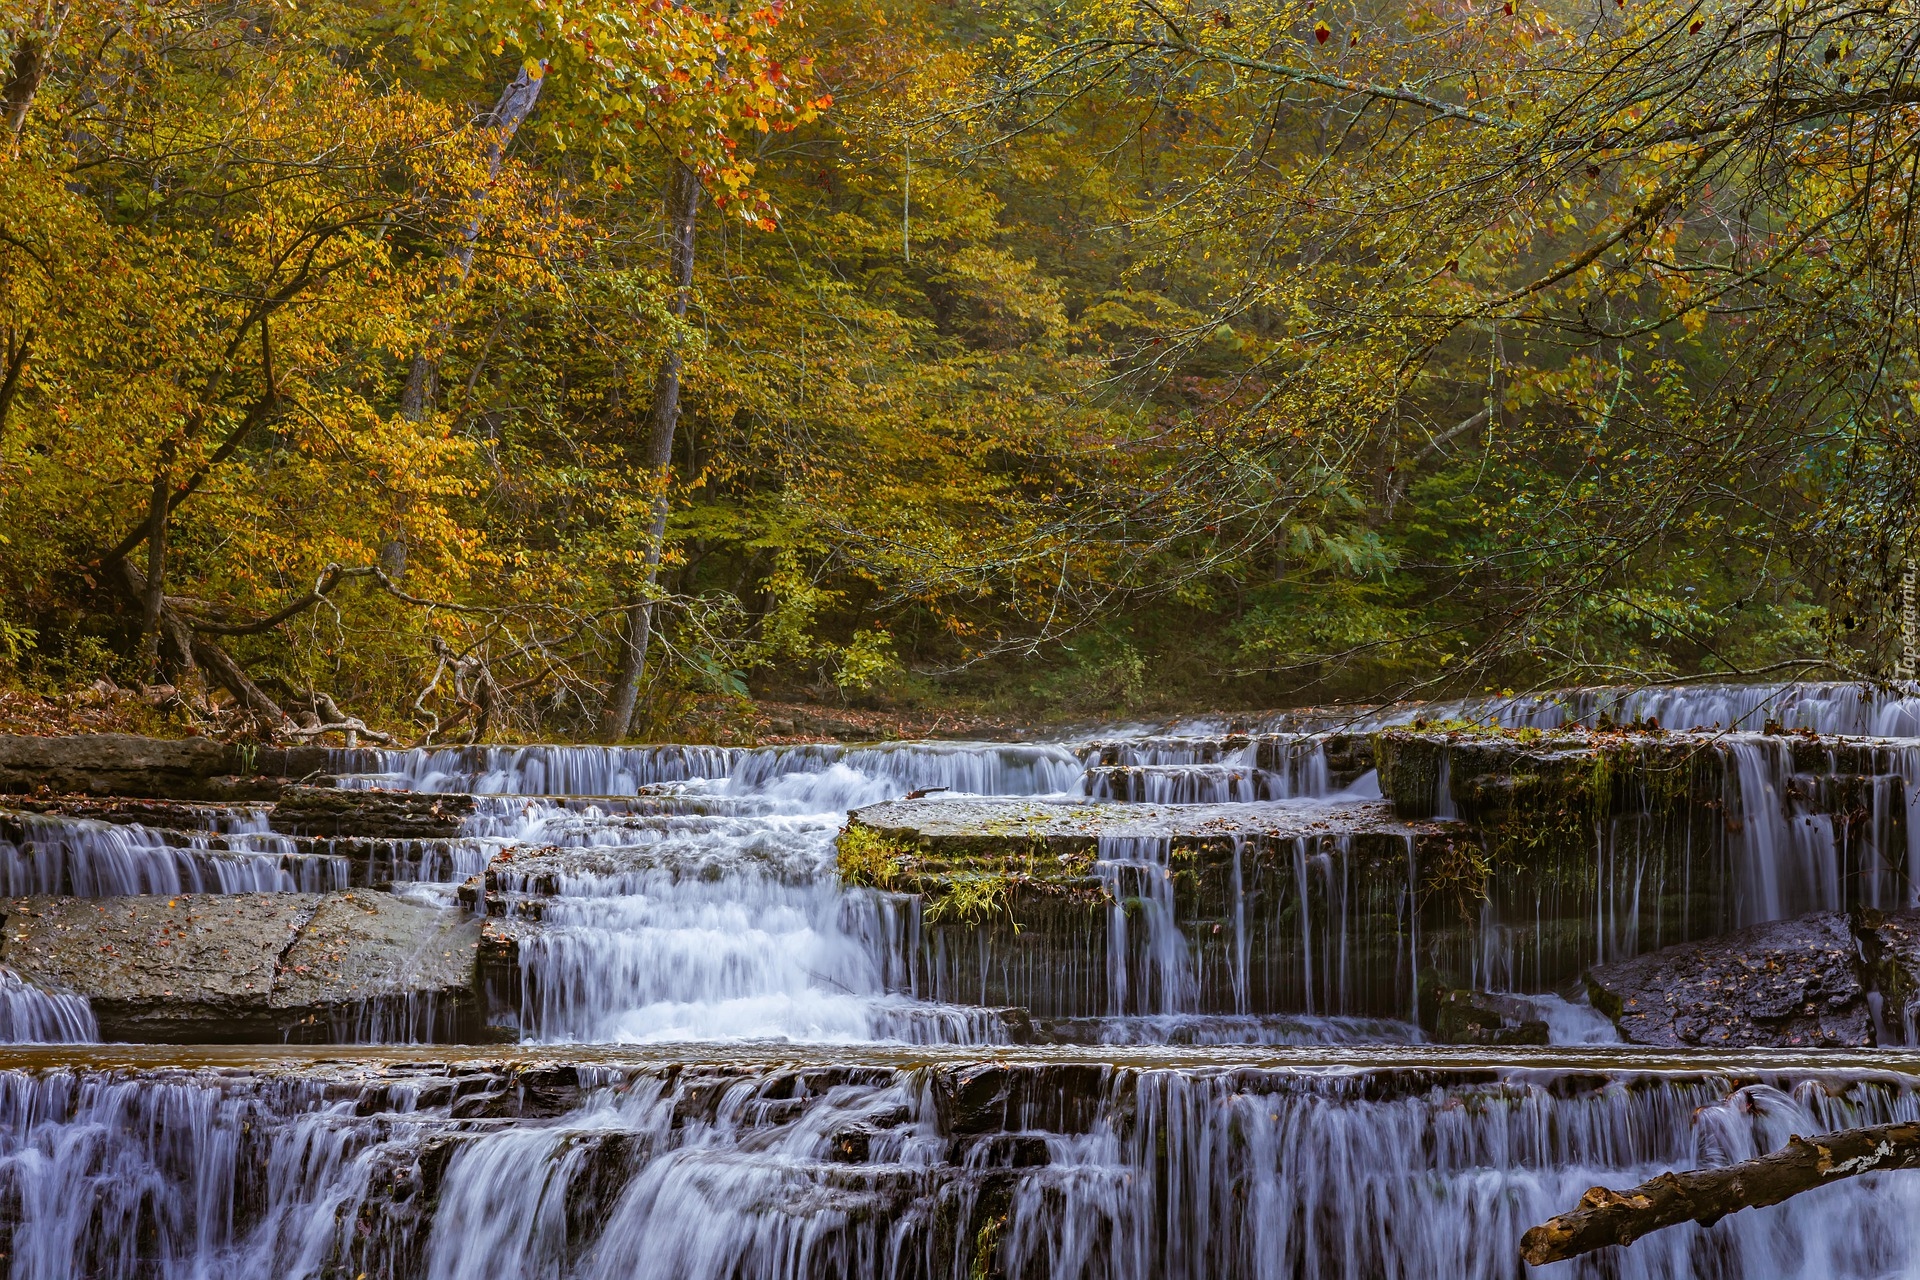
(1890, 943)
(1788, 983)
(1454, 1016)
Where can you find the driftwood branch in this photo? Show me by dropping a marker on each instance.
(1705, 1196)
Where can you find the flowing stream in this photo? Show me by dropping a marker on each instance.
(730, 1067)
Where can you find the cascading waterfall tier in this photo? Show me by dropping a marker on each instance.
(1825, 707)
(710, 1169)
(1140, 1005)
(233, 852)
(706, 905)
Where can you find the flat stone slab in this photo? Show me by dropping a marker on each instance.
(122, 764)
(160, 815)
(239, 968)
(357, 944)
(1789, 983)
(319, 812)
(936, 820)
(330, 811)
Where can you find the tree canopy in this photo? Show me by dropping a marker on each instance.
(1076, 356)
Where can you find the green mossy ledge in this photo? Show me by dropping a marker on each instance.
(1014, 910)
(1496, 778)
(1566, 847)
(1536, 799)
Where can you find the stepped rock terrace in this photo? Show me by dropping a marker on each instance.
(766, 1161)
(1305, 998)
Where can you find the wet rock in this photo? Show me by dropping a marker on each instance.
(1491, 777)
(357, 945)
(1789, 983)
(329, 811)
(1452, 1015)
(88, 848)
(124, 811)
(1194, 750)
(1061, 827)
(1890, 943)
(1260, 894)
(1038, 855)
(1001, 1151)
(1349, 756)
(120, 764)
(241, 968)
(1185, 783)
(175, 969)
(994, 1098)
(519, 879)
(500, 980)
(394, 1220)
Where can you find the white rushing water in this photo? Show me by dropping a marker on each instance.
(688, 896)
(710, 908)
(1075, 1173)
(234, 852)
(29, 1015)
(1824, 707)
(719, 917)
(700, 901)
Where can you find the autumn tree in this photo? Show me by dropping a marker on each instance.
(1520, 243)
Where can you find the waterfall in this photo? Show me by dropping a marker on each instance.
(236, 853)
(1826, 708)
(823, 777)
(1183, 1056)
(699, 920)
(709, 1172)
(1211, 771)
(1154, 975)
(1788, 862)
(29, 1015)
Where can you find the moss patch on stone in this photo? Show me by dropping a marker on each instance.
(872, 859)
(967, 879)
(971, 899)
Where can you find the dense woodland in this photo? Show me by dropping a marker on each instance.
(506, 368)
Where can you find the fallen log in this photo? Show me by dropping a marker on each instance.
(1705, 1196)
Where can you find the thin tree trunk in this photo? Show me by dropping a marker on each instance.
(32, 57)
(683, 206)
(515, 105)
(153, 601)
(201, 652)
(17, 355)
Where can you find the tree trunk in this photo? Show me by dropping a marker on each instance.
(515, 105)
(202, 652)
(153, 601)
(1705, 1196)
(17, 355)
(683, 205)
(32, 57)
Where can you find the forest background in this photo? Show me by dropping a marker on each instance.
(525, 368)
